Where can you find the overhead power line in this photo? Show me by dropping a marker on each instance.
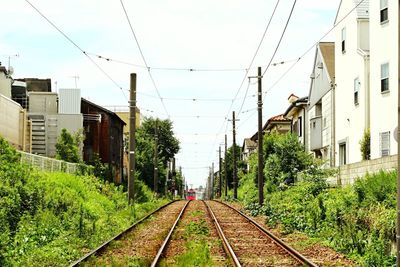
(77, 46)
(249, 67)
(144, 59)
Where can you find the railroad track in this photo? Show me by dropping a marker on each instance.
(195, 229)
(248, 243)
(106, 252)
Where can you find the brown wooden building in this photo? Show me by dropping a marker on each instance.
(103, 131)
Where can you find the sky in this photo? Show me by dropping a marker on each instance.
(196, 53)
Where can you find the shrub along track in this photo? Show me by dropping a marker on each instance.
(138, 245)
(195, 241)
(252, 245)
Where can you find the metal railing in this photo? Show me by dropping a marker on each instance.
(53, 165)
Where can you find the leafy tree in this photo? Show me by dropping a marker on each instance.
(284, 159)
(241, 165)
(168, 146)
(67, 147)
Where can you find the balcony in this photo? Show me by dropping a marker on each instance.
(316, 133)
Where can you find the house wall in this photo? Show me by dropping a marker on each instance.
(5, 85)
(384, 48)
(14, 124)
(349, 118)
(327, 126)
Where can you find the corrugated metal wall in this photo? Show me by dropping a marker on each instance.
(69, 101)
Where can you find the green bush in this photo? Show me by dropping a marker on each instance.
(52, 219)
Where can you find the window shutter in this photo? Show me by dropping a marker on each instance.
(385, 144)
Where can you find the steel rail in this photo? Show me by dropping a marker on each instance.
(118, 236)
(294, 253)
(166, 240)
(227, 247)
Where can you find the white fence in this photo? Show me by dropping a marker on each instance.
(48, 164)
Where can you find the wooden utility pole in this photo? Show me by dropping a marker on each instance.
(212, 180)
(260, 142)
(132, 144)
(220, 173)
(155, 181)
(235, 182)
(398, 141)
(226, 167)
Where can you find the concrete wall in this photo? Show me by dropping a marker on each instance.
(14, 125)
(349, 173)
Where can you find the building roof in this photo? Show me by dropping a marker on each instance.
(103, 109)
(303, 101)
(328, 54)
(275, 120)
(249, 143)
(361, 8)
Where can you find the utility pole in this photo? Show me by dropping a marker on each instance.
(212, 180)
(220, 173)
(398, 143)
(132, 144)
(260, 142)
(156, 157)
(235, 182)
(226, 167)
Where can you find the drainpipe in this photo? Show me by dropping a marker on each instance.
(367, 92)
(333, 125)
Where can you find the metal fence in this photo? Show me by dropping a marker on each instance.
(49, 164)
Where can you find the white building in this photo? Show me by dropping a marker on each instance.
(352, 68)
(383, 26)
(321, 104)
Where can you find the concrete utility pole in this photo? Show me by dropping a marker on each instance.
(132, 144)
(398, 142)
(260, 142)
(155, 181)
(220, 173)
(235, 182)
(226, 167)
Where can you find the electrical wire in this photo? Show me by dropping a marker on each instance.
(280, 40)
(250, 65)
(77, 46)
(144, 59)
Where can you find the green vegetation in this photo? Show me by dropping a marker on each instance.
(357, 220)
(168, 146)
(52, 219)
(365, 145)
(67, 147)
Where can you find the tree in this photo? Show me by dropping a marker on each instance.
(285, 157)
(67, 147)
(168, 147)
(241, 165)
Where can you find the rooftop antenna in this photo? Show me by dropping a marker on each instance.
(76, 78)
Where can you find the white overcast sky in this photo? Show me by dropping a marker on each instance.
(188, 34)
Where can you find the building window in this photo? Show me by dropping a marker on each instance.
(384, 11)
(343, 40)
(384, 143)
(342, 154)
(385, 77)
(356, 90)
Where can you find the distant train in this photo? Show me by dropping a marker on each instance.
(191, 194)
